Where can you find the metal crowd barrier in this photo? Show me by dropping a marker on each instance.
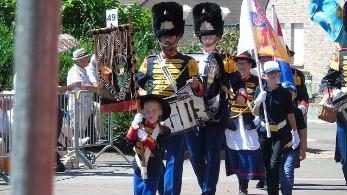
(92, 128)
(83, 106)
(6, 121)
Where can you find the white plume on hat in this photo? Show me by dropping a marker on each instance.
(186, 10)
(225, 12)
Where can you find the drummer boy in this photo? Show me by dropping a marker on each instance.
(149, 138)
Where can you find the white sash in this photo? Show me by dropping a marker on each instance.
(167, 73)
(143, 164)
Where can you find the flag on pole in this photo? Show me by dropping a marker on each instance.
(287, 78)
(257, 33)
(328, 14)
(277, 26)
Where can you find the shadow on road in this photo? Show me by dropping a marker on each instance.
(76, 173)
(320, 187)
(316, 150)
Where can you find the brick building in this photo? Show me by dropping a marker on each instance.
(310, 42)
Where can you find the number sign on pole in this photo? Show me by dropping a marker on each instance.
(112, 17)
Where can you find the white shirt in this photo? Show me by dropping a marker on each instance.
(91, 72)
(78, 74)
(242, 139)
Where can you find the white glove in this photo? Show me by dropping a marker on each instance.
(303, 109)
(295, 139)
(260, 99)
(137, 119)
(141, 134)
(256, 120)
(337, 93)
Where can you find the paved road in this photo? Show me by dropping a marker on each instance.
(319, 174)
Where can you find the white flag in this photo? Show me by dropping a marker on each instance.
(246, 41)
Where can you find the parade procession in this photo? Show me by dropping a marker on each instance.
(173, 97)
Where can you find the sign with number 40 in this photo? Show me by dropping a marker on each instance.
(112, 17)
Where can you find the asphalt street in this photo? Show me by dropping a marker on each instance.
(319, 174)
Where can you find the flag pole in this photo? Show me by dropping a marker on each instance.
(267, 126)
(274, 21)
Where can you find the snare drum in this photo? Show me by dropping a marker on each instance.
(183, 117)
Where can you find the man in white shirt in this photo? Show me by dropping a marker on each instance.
(91, 70)
(78, 73)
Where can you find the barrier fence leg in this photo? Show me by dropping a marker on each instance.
(111, 145)
(78, 153)
(5, 177)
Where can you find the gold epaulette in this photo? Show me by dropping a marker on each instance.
(193, 67)
(230, 64)
(143, 67)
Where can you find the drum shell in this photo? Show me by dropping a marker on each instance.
(182, 117)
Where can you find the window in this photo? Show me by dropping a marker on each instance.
(283, 28)
(298, 43)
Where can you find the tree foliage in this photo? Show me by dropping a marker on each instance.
(7, 12)
(79, 17)
(6, 57)
(229, 41)
(7, 17)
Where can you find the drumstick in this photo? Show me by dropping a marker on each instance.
(226, 90)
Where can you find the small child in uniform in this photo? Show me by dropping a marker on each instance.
(149, 138)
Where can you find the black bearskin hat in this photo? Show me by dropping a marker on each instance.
(208, 19)
(168, 19)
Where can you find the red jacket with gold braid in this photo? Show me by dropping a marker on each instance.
(157, 147)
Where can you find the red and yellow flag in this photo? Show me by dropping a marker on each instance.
(257, 33)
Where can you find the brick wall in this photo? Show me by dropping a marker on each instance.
(318, 47)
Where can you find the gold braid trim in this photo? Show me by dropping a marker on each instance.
(249, 106)
(163, 81)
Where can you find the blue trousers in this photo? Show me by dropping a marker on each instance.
(204, 146)
(272, 155)
(341, 147)
(171, 180)
(289, 160)
(145, 187)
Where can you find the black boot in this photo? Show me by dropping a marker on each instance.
(59, 165)
(260, 184)
(243, 187)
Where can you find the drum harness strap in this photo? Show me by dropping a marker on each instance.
(143, 164)
(167, 73)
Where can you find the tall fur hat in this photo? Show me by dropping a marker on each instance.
(168, 19)
(209, 19)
